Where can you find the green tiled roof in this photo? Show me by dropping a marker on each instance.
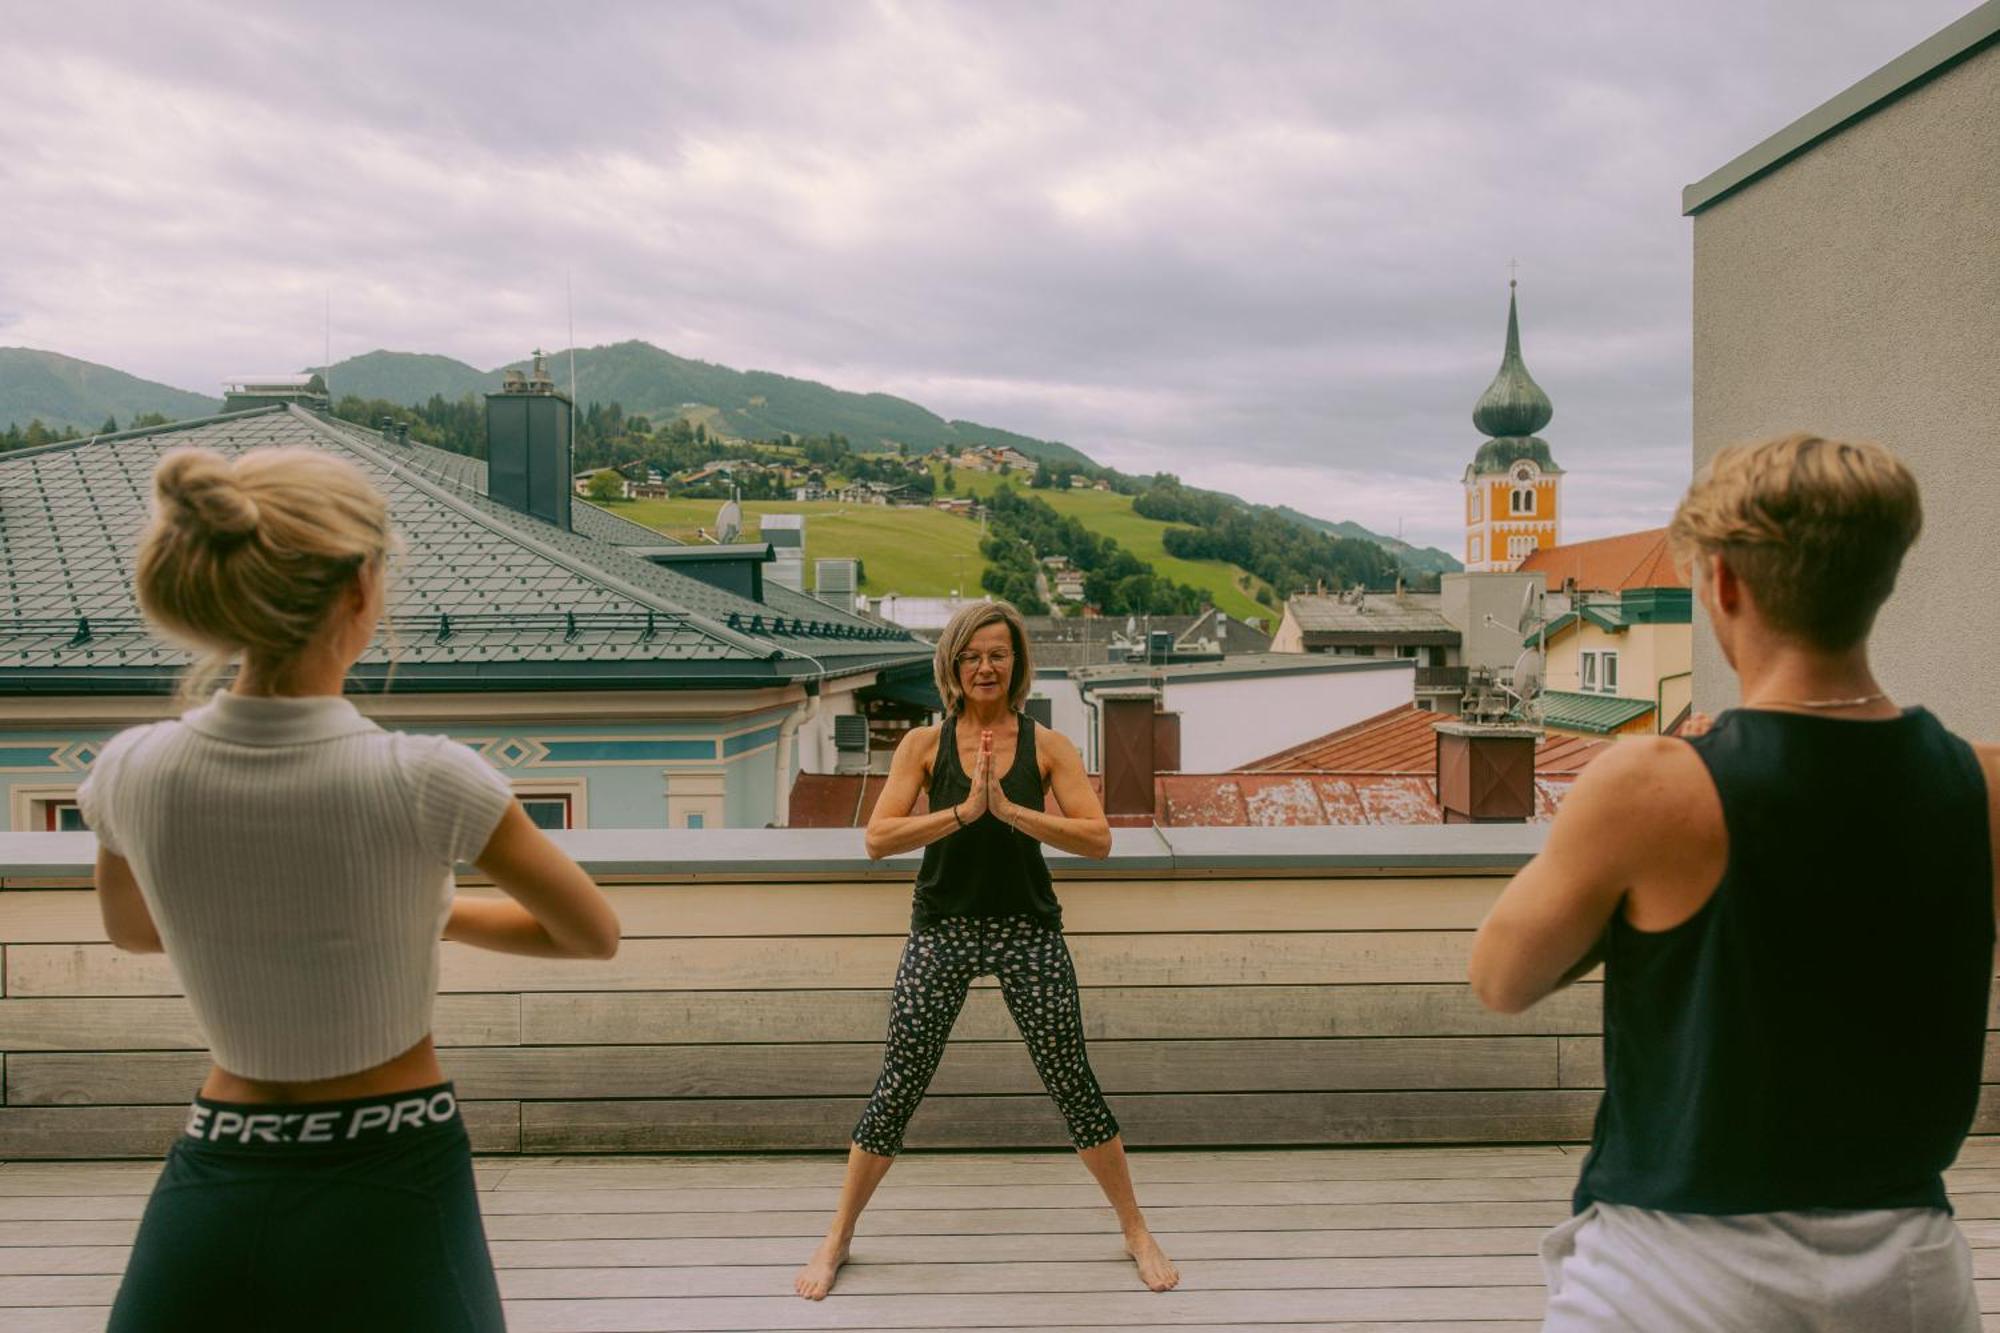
(1599, 714)
(483, 598)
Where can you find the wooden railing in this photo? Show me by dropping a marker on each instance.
(1241, 986)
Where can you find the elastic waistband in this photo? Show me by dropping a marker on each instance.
(304, 1125)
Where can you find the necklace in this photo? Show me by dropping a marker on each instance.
(1823, 703)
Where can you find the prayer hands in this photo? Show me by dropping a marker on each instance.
(1003, 809)
(975, 805)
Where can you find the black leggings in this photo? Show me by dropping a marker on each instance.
(1038, 981)
(357, 1215)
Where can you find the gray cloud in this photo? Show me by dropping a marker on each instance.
(1263, 245)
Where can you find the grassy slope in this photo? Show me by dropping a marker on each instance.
(909, 551)
(1111, 514)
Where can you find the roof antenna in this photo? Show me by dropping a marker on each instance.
(569, 300)
(326, 356)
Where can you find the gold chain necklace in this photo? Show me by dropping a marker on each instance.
(1821, 703)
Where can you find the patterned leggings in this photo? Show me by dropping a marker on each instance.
(1037, 980)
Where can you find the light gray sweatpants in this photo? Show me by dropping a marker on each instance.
(1892, 1270)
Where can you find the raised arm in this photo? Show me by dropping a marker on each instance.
(1616, 823)
(891, 826)
(1081, 828)
(127, 921)
(552, 910)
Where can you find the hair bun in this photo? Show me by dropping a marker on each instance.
(200, 488)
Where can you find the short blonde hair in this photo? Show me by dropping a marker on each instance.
(959, 631)
(247, 556)
(1817, 529)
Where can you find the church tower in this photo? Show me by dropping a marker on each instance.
(1513, 488)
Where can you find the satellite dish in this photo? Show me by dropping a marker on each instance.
(1530, 612)
(1527, 678)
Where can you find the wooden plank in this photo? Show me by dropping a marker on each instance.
(43, 1132)
(1185, 1245)
(135, 1024)
(52, 1260)
(1105, 1272)
(1083, 1194)
(1029, 1310)
(883, 908)
(1109, 1013)
(1583, 1061)
(991, 1122)
(1148, 1166)
(865, 962)
(850, 1069)
(59, 1319)
(811, 1224)
(116, 1231)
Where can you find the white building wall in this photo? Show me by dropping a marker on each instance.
(1230, 721)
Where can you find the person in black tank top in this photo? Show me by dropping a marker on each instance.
(984, 905)
(1794, 908)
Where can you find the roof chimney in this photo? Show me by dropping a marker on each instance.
(1139, 743)
(1486, 772)
(528, 452)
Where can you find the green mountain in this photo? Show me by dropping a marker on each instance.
(64, 391)
(753, 404)
(1416, 559)
(406, 377)
(757, 404)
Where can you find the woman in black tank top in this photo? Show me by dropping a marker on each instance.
(984, 906)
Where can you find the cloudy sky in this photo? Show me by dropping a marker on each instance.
(1263, 245)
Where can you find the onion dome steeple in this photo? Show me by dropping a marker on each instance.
(1513, 407)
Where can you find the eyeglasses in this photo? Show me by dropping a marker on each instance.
(999, 657)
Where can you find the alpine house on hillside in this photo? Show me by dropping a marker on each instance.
(616, 678)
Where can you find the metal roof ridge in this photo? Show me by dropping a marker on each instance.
(605, 578)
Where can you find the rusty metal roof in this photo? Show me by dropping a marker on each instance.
(1402, 741)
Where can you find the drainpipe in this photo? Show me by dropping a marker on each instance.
(1660, 701)
(788, 732)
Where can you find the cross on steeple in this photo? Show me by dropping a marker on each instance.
(1512, 265)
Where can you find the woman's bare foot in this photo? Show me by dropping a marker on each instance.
(815, 1280)
(1155, 1269)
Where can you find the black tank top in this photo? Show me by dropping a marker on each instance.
(1812, 1037)
(985, 868)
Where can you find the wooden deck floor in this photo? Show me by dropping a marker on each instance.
(1393, 1241)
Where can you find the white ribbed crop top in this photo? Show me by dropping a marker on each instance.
(297, 860)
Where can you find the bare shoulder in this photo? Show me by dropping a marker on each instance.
(919, 744)
(1646, 784)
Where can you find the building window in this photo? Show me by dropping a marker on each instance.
(1523, 501)
(1472, 515)
(696, 820)
(553, 804)
(45, 810)
(1589, 676)
(1611, 673)
(1475, 551)
(547, 811)
(1520, 548)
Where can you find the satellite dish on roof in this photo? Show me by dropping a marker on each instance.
(1531, 609)
(729, 521)
(1527, 676)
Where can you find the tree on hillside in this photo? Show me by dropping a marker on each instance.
(605, 486)
(110, 426)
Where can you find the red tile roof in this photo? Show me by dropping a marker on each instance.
(1610, 564)
(1402, 741)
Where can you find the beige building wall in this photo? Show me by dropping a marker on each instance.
(1855, 291)
(1653, 662)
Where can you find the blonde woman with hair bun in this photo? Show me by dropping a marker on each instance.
(985, 905)
(295, 863)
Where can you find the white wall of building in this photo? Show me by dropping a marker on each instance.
(1230, 720)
